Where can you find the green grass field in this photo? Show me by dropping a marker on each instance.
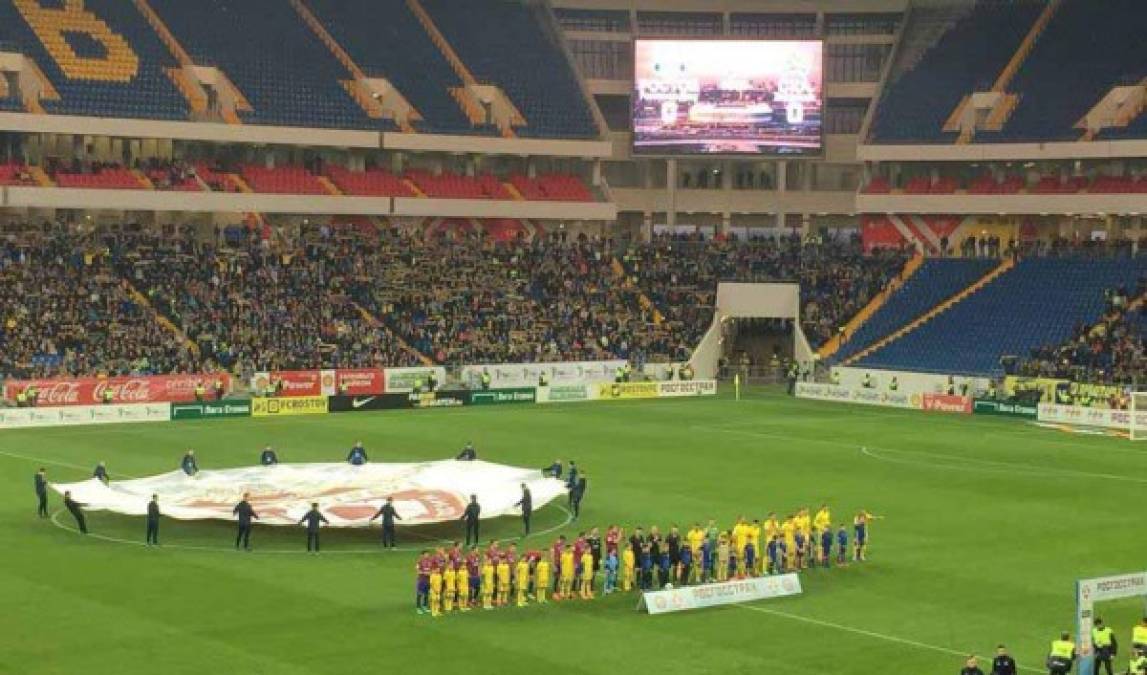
(988, 522)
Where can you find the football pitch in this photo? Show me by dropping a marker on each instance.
(987, 523)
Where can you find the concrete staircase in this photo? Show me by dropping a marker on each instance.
(833, 346)
(988, 278)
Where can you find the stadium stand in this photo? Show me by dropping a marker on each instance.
(1089, 47)
(291, 180)
(372, 182)
(937, 280)
(67, 312)
(552, 187)
(118, 77)
(386, 40)
(1010, 315)
(1109, 351)
(516, 53)
(968, 57)
(286, 74)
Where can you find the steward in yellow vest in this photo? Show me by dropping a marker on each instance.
(1062, 655)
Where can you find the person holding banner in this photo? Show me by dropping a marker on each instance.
(388, 514)
(357, 455)
(244, 514)
(268, 457)
(101, 473)
(188, 463)
(470, 515)
(313, 519)
(153, 521)
(77, 510)
(526, 504)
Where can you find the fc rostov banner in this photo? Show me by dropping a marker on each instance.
(724, 593)
(426, 492)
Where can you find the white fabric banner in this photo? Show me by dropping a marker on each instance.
(724, 593)
(507, 375)
(1091, 417)
(829, 392)
(427, 492)
(84, 414)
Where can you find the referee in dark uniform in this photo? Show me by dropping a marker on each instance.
(153, 521)
(388, 514)
(527, 505)
(244, 514)
(41, 483)
(470, 515)
(314, 519)
(76, 509)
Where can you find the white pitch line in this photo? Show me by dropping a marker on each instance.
(867, 633)
(990, 465)
(51, 462)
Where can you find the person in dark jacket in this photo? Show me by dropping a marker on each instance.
(1003, 664)
(153, 521)
(76, 509)
(470, 515)
(188, 464)
(357, 455)
(526, 503)
(554, 470)
(314, 519)
(468, 454)
(971, 667)
(244, 514)
(101, 473)
(388, 514)
(268, 457)
(576, 495)
(41, 483)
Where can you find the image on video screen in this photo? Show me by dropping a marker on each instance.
(727, 97)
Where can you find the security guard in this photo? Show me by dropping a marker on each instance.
(33, 395)
(1139, 663)
(834, 378)
(1062, 656)
(628, 369)
(220, 390)
(867, 381)
(342, 389)
(200, 391)
(108, 396)
(951, 388)
(894, 384)
(22, 398)
(791, 377)
(619, 375)
(431, 381)
(543, 379)
(992, 390)
(1139, 636)
(485, 380)
(1103, 639)
(417, 385)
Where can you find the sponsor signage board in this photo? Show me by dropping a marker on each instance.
(371, 402)
(512, 375)
(443, 398)
(297, 405)
(84, 414)
(502, 396)
(401, 380)
(830, 392)
(724, 593)
(1090, 417)
(947, 403)
(127, 389)
(624, 390)
(686, 388)
(210, 409)
(567, 393)
(989, 407)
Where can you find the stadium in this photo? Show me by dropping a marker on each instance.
(507, 336)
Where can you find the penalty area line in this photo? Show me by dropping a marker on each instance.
(867, 633)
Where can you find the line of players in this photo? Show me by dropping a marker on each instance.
(453, 579)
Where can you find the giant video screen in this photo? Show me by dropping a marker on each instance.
(727, 97)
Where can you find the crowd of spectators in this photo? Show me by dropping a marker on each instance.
(66, 311)
(359, 297)
(680, 274)
(1109, 352)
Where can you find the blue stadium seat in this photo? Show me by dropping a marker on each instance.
(149, 94)
(1037, 303)
(967, 58)
(935, 281)
(386, 40)
(1089, 47)
(513, 51)
(285, 72)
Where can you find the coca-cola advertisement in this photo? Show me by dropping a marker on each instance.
(126, 389)
(359, 381)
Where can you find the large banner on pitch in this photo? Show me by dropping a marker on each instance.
(127, 389)
(724, 593)
(426, 492)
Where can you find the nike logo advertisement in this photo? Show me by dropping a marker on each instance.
(360, 402)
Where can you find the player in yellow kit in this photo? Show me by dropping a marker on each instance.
(436, 591)
(789, 534)
(772, 526)
(488, 584)
(462, 587)
(565, 581)
(522, 580)
(627, 567)
(449, 579)
(541, 580)
(503, 570)
(754, 538)
(823, 519)
(587, 575)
